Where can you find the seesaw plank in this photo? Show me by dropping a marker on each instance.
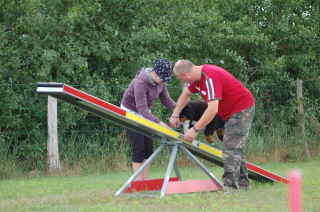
(114, 113)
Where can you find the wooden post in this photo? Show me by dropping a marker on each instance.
(53, 161)
(302, 116)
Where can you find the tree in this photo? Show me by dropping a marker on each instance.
(98, 45)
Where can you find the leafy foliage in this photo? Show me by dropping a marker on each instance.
(105, 42)
(98, 45)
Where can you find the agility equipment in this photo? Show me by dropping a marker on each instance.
(170, 139)
(295, 190)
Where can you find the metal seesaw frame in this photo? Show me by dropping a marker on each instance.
(174, 187)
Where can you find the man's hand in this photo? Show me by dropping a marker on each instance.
(174, 122)
(190, 135)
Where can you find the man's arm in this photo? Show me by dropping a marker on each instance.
(182, 101)
(207, 116)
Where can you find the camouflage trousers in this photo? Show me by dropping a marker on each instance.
(237, 129)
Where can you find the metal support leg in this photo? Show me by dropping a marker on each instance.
(169, 169)
(190, 155)
(175, 166)
(145, 164)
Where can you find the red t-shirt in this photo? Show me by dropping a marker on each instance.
(218, 84)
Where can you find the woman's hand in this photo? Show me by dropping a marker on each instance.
(164, 125)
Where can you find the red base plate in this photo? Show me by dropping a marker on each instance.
(147, 185)
(190, 186)
(174, 186)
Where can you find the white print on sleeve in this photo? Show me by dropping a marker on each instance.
(210, 89)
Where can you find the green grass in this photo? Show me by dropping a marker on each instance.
(96, 193)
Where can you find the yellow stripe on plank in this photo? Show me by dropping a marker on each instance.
(171, 133)
(151, 124)
(205, 147)
(210, 149)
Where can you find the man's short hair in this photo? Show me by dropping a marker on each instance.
(182, 66)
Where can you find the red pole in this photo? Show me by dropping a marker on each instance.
(295, 199)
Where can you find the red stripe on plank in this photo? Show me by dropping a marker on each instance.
(266, 173)
(93, 100)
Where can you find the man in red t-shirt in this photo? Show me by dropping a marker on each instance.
(228, 98)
